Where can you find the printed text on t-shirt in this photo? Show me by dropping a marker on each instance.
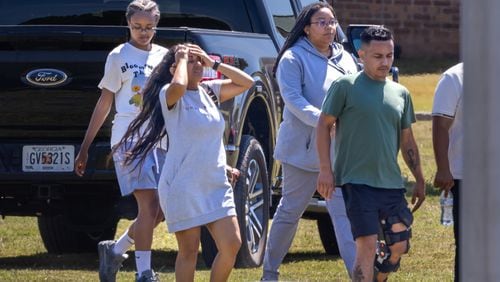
(140, 70)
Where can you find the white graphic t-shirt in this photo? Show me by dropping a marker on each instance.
(126, 71)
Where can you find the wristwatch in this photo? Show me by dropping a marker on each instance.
(216, 65)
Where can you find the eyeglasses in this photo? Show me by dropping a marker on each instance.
(324, 23)
(140, 29)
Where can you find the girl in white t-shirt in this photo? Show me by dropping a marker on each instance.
(127, 68)
(193, 189)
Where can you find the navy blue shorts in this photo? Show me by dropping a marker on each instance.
(366, 206)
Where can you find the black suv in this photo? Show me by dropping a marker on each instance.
(53, 53)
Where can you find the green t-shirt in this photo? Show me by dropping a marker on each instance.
(370, 116)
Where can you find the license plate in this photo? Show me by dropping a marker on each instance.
(48, 158)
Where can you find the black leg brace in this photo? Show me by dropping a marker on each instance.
(387, 237)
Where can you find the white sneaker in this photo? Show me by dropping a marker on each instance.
(147, 276)
(109, 262)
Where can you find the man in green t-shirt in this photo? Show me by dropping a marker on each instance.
(372, 117)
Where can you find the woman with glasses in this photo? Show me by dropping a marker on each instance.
(308, 63)
(125, 73)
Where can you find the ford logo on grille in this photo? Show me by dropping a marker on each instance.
(46, 77)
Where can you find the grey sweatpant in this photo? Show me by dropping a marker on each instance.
(298, 188)
(345, 241)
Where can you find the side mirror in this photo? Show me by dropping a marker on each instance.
(353, 43)
(395, 74)
(340, 37)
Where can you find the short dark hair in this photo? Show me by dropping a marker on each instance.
(376, 32)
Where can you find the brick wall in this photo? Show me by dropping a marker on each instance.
(423, 28)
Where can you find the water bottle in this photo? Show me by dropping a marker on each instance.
(446, 209)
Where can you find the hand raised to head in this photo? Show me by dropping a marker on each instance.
(181, 53)
(196, 50)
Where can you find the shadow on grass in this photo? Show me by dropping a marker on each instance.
(163, 261)
(308, 255)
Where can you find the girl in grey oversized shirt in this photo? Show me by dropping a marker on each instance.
(194, 189)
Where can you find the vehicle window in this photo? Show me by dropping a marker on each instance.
(174, 13)
(307, 2)
(283, 17)
(90, 12)
(204, 14)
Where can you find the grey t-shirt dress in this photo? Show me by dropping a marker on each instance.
(193, 188)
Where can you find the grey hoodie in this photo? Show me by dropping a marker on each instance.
(304, 76)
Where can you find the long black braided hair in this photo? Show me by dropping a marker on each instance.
(303, 19)
(150, 116)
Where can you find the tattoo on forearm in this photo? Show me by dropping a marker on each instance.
(358, 274)
(412, 159)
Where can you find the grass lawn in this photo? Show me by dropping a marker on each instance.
(421, 77)
(23, 258)
(421, 87)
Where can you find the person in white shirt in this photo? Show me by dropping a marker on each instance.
(447, 138)
(127, 68)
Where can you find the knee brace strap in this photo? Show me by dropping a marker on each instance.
(405, 217)
(386, 266)
(393, 237)
(389, 237)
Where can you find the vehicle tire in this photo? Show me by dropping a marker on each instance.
(60, 237)
(327, 235)
(208, 247)
(251, 195)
